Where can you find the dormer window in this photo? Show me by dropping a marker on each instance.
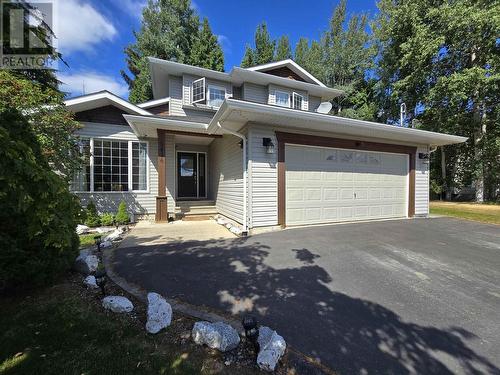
(216, 95)
(282, 98)
(198, 90)
(297, 100)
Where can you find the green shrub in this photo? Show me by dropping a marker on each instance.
(93, 220)
(107, 219)
(38, 214)
(121, 216)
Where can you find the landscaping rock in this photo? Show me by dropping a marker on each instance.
(82, 229)
(159, 313)
(102, 230)
(116, 235)
(272, 347)
(229, 225)
(106, 244)
(90, 282)
(217, 335)
(86, 263)
(221, 221)
(117, 304)
(235, 230)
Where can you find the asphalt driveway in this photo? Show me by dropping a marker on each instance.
(395, 297)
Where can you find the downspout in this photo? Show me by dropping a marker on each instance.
(244, 141)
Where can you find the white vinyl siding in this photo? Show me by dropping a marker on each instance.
(227, 176)
(255, 93)
(314, 102)
(139, 203)
(176, 96)
(421, 184)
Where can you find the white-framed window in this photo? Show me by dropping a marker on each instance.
(216, 95)
(297, 100)
(282, 98)
(113, 166)
(198, 90)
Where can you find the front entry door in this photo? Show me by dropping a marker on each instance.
(191, 175)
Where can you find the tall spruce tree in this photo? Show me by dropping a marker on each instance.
(206, 51)
(283, 49)
(442, 60)
(263, 52)
(301, 52)
(248, 59)
(168, 31)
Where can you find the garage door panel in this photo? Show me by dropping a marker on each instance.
(328, 185)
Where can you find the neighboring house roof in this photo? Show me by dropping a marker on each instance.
(292, 65)
(154, 103)
(101, 99)
(161, 69)
(233, 114)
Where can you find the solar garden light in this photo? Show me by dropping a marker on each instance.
(97, 240)
(101, 279)
(251, 328)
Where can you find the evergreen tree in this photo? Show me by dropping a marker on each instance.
(301, 52)
(442, 60)
(168, 31)
(264, 45)
(248, 59)
(283, 49)
(206, 51)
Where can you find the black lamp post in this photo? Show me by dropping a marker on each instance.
(97, 240)
(101, 279)
(251, 328)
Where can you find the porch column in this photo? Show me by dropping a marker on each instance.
(161, 198)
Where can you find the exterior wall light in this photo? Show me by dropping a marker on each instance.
(269, 145)
(251, 327)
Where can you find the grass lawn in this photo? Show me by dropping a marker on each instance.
(87, 240)
(486, 213)
(64, 330)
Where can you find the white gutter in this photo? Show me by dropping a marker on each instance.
(245, 182)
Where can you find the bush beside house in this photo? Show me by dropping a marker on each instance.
(122, 217)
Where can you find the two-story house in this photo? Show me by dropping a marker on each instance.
(254, 145)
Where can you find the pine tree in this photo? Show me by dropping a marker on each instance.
(168, 31)
(283, 49)
(206, 51)
(248, 59)
(301, 52)
(264, 45)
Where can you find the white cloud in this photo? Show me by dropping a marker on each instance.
(131, 7)
(225, 43)
(93, 81)
(81, 27)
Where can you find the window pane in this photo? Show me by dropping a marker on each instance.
(282, 99)
(81, 179)
(216, 96)
(297, 101)
(198, 88)
(111, 171)
(139, 169)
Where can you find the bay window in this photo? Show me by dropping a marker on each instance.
(113, 166)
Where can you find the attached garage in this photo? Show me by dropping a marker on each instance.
(332, 185)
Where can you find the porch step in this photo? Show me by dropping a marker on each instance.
(194, 203)
(195, 210)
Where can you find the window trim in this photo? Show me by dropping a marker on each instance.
(282, 92)
(129, 156)
(210, 86)
(294, 94)
(204, 90)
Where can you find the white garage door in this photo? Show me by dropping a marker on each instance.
(331, 185)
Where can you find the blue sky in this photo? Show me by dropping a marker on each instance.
(93, 33)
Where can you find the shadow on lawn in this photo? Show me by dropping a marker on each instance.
(350, 335)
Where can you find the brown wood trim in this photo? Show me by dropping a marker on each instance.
(179, 132)
(313, 140)
(161, 199)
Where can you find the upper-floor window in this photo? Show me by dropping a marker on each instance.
(216, 95)
(282, 98)
(297, 100)
(198, 90)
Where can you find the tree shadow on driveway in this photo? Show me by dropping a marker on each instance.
(350, 335)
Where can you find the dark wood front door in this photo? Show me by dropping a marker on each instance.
(191, 176)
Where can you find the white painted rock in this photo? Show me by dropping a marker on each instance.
(90, 282)
(272, 347)
(82, 229)
(106, 244)
(116, 235)
(217, 335)
(228, 225)
(235, 230)
(159, 313)
(102, 230)
(117, 304)
(85, 263)
(221, 221)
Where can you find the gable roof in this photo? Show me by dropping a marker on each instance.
(154, 103)
(290, 64)
(101, 99)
